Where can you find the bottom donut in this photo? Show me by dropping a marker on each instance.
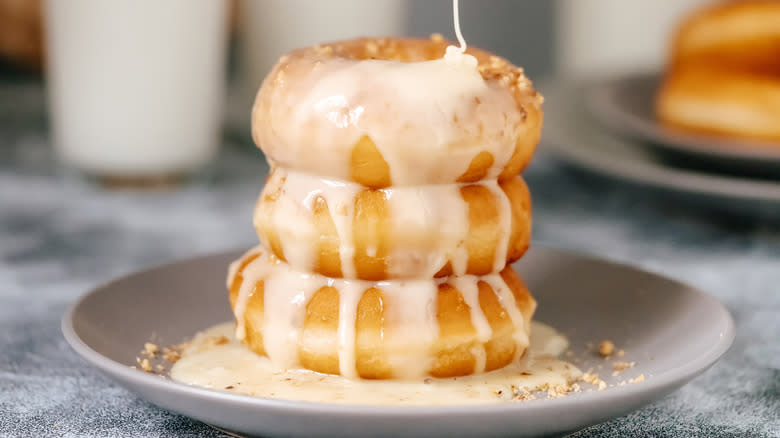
(444, 327)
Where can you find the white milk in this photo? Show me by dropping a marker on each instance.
(136, 86)
(609, 37)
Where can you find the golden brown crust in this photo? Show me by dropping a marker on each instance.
(724, 72)
(734, 35)
(452, 353)
(702, 100)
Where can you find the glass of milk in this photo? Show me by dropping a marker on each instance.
(598, 38)
(136, 86)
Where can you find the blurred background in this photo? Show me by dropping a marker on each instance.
(176, 67)
(125, 142)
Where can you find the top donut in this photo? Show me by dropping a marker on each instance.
(385, 112)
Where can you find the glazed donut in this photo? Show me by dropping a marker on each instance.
(734, 35)
(398, 232)
(371, 112)
(728, 103)
(724, 72)
(379, 330)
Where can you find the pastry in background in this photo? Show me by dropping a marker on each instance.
(723, 77)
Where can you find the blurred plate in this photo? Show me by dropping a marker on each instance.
(625, 105)
(570, 134)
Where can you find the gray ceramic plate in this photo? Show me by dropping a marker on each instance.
(672, 331)
(625, 105)
(570, 134)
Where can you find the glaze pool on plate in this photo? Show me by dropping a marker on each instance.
(672, 331)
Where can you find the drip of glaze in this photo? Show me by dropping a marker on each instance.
(469, 289)
(457, 55)
(456, 22)
(509, 304)
(247, 286)
(504, 225)
(414, 303)
(286, 295)
(428, 207)
(349, 297)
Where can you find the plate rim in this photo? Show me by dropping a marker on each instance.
(646, 172)
(673, 377)
(599, 97)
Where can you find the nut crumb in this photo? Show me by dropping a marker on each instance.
(150, 349)
(606, 348)
(620, 366)
(594, 379)
(145, 365)
(639, 378)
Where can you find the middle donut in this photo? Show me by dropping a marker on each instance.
(344, 230)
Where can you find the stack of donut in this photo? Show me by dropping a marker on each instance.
(724, 72)
(392, 212)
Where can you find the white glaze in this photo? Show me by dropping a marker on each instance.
(349, 297)
(504, 226)
(233, 365)
(418, 114)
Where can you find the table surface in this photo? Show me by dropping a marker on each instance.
(60, 236)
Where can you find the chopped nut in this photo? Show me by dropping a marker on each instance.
(594, 379)
(144, 363)
(620, 366)
(150, 349)
(171, 355)
(639, 378)
(606, 348)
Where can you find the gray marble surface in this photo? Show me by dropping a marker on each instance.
(61, 236)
